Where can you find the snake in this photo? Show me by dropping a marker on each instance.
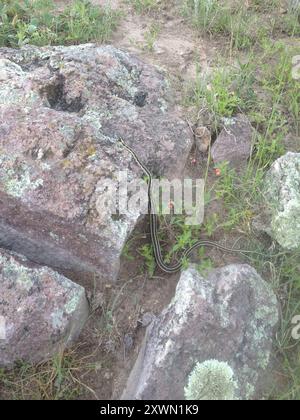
(154, 223)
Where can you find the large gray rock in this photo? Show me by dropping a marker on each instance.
(62, 110)
(229, 318)
(234, 143)
(282, 193)
(41, 312)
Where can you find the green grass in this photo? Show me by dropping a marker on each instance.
(38, 22)
(144, 6)
(261, 86)
(242, 26)
(224, 93)
(151, 36)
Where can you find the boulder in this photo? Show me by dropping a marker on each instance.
(41, 312)
(62, 111)
(234, 143)
(282, 193)
(219, 327)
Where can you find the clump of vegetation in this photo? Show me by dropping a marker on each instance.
(146, 251)
(150, 37)
(38, 22)
(211, 381)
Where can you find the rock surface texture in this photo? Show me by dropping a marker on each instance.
(41, 311)
(62, 111)
(229, 317)
(234, 143)
(282, 192)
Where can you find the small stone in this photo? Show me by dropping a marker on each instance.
(128, 342)
(234, 143)
(146, 319)
(202, 138)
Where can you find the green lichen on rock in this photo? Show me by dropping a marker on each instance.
(16, 177)
(211, 380)
(282, 192)
(72, 303)
(21, 275)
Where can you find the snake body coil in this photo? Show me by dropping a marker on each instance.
(154, 227)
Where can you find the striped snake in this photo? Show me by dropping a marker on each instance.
(154, 227)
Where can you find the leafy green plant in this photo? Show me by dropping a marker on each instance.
(206, 265)
(146, 251)
(126, 252)
(211, 224)
(150, 37)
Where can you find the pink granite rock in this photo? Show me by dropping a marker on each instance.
(234, 143)
(230, 316)
(62, 110)
(41, 312)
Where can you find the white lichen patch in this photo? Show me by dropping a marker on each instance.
(95, 116)
(21, 275)
(211, 380)
(9, 70)
(18, 186)
(72, 303)
(11, 95)
(16, 181)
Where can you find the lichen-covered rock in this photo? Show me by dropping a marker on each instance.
(229, 317)
(234, 143)
(41, 311)
(282, 192)
(62, 111)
